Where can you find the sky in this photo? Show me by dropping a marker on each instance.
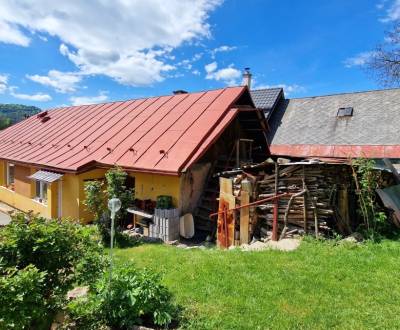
(58, 53)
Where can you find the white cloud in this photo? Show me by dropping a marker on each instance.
(38, 97)
(228, 75)
(187, 64)
(392, 13)
(358, 60)
(43, 38)
(211, 67)
(63, 82)
(3, 83)
(221, 49)
(10, 34)
(290, 89)
(127, 40)
(287, 88)
(80, 100)
(381, 4)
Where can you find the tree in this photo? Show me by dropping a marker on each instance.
(4, 122)
(116, 179)
(384, 63)
(94, 198)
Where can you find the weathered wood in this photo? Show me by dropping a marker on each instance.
(226, 221)
(285, 218)
(309, 212)
(343, 206)
(244, 218)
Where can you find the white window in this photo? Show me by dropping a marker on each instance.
(10, 175)
(41, 192)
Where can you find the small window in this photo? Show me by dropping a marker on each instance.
(345, 112)
(10, 175)
(41, 192)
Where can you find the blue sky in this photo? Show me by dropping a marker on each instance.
(55, 53)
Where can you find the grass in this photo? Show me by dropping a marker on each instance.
(321, 285)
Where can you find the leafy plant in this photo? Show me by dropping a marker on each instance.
(134, 297)
(367, 180)
(116, 179)
(94, 198)
(21, 297)
(62, 251)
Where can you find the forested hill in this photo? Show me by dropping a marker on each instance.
(13, 113)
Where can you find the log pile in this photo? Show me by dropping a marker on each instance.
(317, 199)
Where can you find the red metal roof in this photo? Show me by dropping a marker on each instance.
(160, 134)
(336, 151)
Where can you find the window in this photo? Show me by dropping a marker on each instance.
(41, 192)
(10, 175)
(345, 112)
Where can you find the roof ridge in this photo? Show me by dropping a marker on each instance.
(266, 89)
(346, 93)
(141, 98)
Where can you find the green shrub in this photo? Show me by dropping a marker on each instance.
(64, 252)
(94, 198)
(123, 240)
(116, 179)
(134, 297)
(95, 201)
(367, 180)
(21, 297)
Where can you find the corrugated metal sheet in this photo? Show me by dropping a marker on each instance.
(159, 134)
(45, 176)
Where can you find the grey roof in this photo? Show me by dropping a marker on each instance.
(266, 99)
(45, 176)
(312, 120)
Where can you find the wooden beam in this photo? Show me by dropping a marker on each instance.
(244, 217)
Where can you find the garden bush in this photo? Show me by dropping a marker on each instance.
(22, 301)
(58, 253)
(96, 196)
(368, 179)
(134, 297)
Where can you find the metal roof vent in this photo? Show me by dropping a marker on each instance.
(45, 118)
(345, 112)
(179, 91)
(42, 114)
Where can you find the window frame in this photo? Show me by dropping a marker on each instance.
(9, 184)
(42, 197)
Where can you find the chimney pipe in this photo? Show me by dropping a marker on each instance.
(247, 78)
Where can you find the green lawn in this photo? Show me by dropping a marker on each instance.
(319, 286)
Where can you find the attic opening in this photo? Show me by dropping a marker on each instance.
(345, 112)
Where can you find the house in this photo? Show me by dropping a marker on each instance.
(340, 126)
(167, 144)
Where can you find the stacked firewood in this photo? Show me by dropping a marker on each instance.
(314, 193)
(316, 199)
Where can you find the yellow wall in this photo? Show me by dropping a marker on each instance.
(147, 186)
(70, 196)
(27, 203)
